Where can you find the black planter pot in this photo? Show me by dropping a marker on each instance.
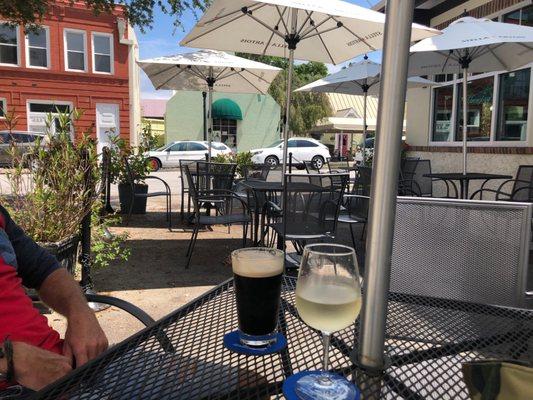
(139, 203)
(65, 251)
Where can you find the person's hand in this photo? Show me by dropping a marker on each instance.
(35, 368)
(84, 339)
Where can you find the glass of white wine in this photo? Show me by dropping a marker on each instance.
(328, 298)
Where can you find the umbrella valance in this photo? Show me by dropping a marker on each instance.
(226, 109)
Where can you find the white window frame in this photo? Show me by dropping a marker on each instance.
(27, 43)
(111, 52)
(492, 142)
(65, 53)
(3, 100)
(41, 101)
(18, 47)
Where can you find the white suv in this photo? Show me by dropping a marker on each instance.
(171, 154)
(302, 149)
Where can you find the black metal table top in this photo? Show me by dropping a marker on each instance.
(267, 186)
(182, 356)
(457, 176)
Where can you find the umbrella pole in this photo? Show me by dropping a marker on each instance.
(385, 183)
(364, 124)
(465, 116)
(204, 99)
(292, 46)
(210, 84)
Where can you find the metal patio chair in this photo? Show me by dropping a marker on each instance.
(230, 208)
(474, 251)
(311, 167)
(132, 179)
(257, 172)
(310, 209)
(521, 189)
(185, 187)
(355, 207)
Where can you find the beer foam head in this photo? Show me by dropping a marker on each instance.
(257, 262)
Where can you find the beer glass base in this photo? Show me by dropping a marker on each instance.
(232, 341)
(257, 341)
(319, 385)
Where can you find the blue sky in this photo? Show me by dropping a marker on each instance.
(163, 39)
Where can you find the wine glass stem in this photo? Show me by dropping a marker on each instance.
(325, 362)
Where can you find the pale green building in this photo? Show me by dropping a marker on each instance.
(242, 121)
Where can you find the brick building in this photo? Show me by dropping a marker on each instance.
(74, 60)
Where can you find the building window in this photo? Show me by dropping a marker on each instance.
(479, 101)
(496, 112)
(39, 112)
(102, 53)
(38, 48)
(3, 108)
(75, 50)
(513, 104)
(442, 112)
(9, 36)
(226, 131)
(522, 16)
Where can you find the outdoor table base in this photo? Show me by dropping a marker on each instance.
(427, 340)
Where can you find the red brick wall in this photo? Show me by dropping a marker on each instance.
(82, 89)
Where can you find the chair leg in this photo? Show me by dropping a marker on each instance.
(192, 243)
(244, 234)
(352, 235)
(363, 233)
(169, 212)
(182, 205)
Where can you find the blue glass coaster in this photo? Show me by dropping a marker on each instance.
(233, 343)
(302, 383)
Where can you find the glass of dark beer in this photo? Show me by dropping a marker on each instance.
(257, 275)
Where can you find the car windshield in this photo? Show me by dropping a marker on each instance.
(218, 146)
(162, 148)
(276, 143)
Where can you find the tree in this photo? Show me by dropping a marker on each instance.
(140, 13)
(307, 108)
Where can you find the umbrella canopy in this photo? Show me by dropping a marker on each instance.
(330, 31)
(483, 45)
(361, 78)
(211, 69)
(194, 71)
(472, 45)
(356, 79)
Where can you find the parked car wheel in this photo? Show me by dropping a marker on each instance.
(154, 163)
(272, 161)
(318, 161)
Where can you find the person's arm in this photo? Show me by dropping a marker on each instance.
(84, 338)
(34, 367)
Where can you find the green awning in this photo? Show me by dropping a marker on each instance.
(226, 109)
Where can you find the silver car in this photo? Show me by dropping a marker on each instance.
(23, 141)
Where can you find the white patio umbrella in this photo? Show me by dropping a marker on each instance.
(330, 31)
(216, 70)
(472, 45)
(360, 78)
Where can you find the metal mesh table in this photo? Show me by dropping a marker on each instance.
(182, 356)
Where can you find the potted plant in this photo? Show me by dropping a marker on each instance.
(139, 169)
(50, 199)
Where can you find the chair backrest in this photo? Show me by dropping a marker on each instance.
(474, 251)
(183, 178)
(338, 165)
(257, 172)
(213, 176)
(422, 186)
(363, 181)
(523, 185)
(312, 204)
(189, 170)
(311, 167)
